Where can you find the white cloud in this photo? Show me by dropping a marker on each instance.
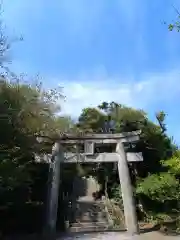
(150, 90)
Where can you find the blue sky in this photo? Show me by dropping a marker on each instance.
(101, 50)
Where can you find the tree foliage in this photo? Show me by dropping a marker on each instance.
(26, 111)
(153, 178)
(175, 25)
(160, 187)
(173, 164)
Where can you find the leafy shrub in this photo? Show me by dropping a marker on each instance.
(160, 187)
(173, 163)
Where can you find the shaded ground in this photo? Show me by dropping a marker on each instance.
(103, 236)
(156, 236)
(121, 236)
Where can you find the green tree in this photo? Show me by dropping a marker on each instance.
(175, 25)
(26, 111)
(152, 179)
(91, 120)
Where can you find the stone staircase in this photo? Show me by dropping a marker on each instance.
(90, 216)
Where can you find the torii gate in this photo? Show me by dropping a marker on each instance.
(119, 156)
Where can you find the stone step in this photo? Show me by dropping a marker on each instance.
(85, 224)
(90, 214)
(88, 208)
(100, 217)
(91, 220)
(94, 207)
(93, 227)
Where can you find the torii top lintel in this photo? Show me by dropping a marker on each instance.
(101, 137)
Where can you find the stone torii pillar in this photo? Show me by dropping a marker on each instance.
(53, 192)
(126, 190)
